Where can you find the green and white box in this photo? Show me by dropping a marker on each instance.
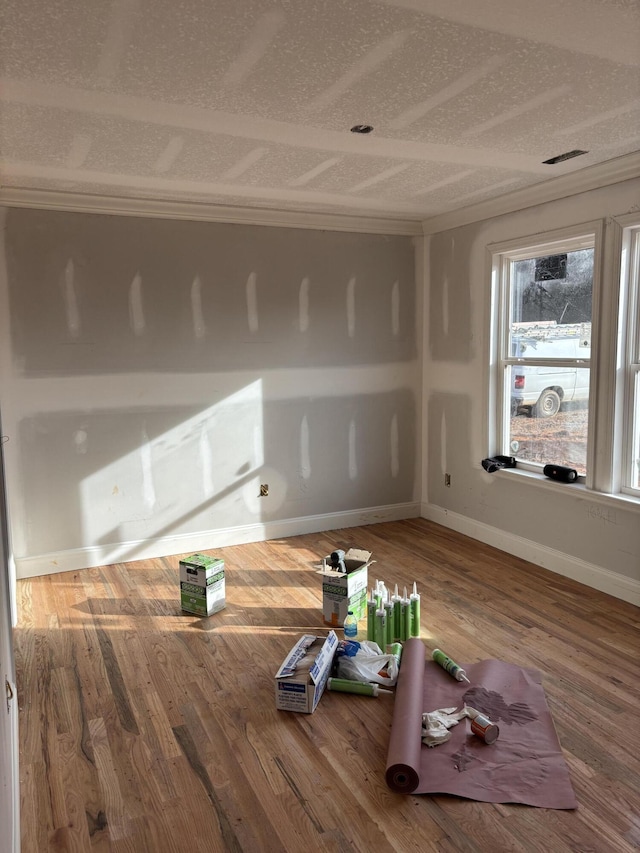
(202, 584)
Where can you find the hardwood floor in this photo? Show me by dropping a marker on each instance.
(146, 729)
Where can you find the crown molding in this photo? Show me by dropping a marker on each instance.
(591, 178)
(158, 208)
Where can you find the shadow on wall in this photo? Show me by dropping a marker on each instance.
(450, 328)
(92, 294)
(110, 477)
(448, 449)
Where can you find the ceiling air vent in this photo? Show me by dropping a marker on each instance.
(566, 156)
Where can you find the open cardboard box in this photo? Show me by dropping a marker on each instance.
(343, 592)
(299, 687)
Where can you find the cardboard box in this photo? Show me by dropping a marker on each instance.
(343, 592)
(299, 686)
(202, 589)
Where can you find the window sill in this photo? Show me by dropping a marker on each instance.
(578, 489)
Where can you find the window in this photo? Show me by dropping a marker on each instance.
(553, 399)
(545, 296)
(630, 358)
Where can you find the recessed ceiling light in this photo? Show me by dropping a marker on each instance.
(566, 156)
(361, 128)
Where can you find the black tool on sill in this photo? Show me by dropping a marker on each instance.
(495, 463)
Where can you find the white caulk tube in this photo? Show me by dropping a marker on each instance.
(343, 685)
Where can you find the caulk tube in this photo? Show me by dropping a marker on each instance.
(395, 649)
(372, 606)
(397, 616)
(390, 617)
(381, 628)
(449, 665)
(405, 610)
(343, 685)
(414, 602)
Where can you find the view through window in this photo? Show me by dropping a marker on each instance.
(546, 349)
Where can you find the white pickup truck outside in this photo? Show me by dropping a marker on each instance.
(539, 383)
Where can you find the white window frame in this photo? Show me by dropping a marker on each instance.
(629, 351)
(586, 235)
(614, 393)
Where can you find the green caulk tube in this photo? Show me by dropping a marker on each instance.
(449, 665)
(343, 685)
(395, 649)
(414, 603)
(388, 606)
(405, 606)
(372, 606)
(397, 615)
(381, 628)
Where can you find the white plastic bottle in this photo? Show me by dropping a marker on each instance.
(350, 627)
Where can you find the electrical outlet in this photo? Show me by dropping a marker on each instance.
(447, 479)
(264, 490)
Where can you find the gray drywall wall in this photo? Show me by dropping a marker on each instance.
(575, 523)
(105, 294)
(157, 372)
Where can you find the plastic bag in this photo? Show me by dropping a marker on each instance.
(369, 665)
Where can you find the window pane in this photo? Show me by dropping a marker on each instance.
(549, 414)
(549, 314)
(635, 441)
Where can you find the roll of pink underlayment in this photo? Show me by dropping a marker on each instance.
(524, 765)
(405, 744)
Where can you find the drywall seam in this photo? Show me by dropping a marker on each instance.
(627, 589)
(206, 540)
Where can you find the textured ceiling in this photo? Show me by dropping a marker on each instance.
(250, 102)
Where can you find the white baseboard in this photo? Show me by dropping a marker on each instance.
(206, 540)
(594, 576)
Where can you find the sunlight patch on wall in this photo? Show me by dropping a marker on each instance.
(173, 479)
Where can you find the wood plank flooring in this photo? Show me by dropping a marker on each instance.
(144, 729)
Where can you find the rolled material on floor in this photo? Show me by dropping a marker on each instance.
(525, 765)
(405, 743)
